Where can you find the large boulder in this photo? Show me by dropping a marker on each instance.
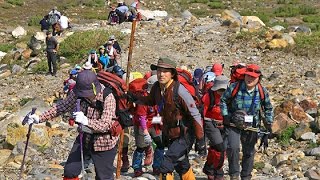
(26, 54)
(280, 123)
(252, 22)
(40, 36)
(151, 15)
(4, 156)
(18, 32)
(5, 74)
(231, 15)
(300, 29)
(16, 132)
(2, 54)
(16, 69)
(302, 129)
(293, 110)
(187, 15)
(277, 44)
(289, 39)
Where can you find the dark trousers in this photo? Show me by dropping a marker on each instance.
(176, 157)
(52, 62)
(248, 140)
(102, 160)
(215, 137)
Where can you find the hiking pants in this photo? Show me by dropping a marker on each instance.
(102, 160)
(176, 157)
(52, 62)
(248, 140)
(216, 151)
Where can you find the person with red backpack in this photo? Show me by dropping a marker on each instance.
(213, 123)
(242, 106)
(179, 116)
(237, 72)
(98, 115)
(145, 131)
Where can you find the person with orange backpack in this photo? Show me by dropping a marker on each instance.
(242, 106)
(145, 131)
(179, 116)
(213, 123)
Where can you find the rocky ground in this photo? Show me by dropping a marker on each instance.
(192, 43)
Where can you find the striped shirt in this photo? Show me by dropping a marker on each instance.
(100, 124)
(243, 101)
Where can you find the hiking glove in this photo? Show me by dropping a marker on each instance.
(131, 97)
(147, 139)
(80, 118)
(33, 119)
(226, 120)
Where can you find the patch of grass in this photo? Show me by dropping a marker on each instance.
(264, 16)
(200, 12)
(41, 67)
(306, 10)
(306, 44)
(216, 5)
(199, 1)
(292, 10)
(281, 1)
(94, 15)
(77, 46)
(24, 101)
(6, 5)
(259, 165)
(285, 136)
(94, 3)
(15, 2)
(34, 20)
(6, 47)
(312, 145)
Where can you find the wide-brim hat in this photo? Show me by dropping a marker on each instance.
(220, 82)
(87, 65)
(164, 63)
(112, 37)
(87, 84)
(253, 70)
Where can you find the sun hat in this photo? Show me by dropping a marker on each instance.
(87, 84)
(220, 82)
(217, 68)
(87, 65)
(164, 63)
(102, 47)
(112, 37)
(253, 70)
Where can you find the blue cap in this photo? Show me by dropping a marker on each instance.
(92, 51)
(73, 72)
(198, 73)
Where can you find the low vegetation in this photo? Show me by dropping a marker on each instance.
(285, 136)
(6, 47)
(15, 2)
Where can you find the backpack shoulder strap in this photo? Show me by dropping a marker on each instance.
(176, 94)
(106, 92)
(261, 92)
(211, 98)
(236, 89)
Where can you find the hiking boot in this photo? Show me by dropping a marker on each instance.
(125, 160)
(156, 171)
(138, 173)
(149, 156)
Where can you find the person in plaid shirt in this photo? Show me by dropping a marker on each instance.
(99, 144)
(248, 100)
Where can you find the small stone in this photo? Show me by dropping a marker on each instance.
(310, 74)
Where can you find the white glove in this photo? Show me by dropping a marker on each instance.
(80, 118)
(33, 119)
(147, 139)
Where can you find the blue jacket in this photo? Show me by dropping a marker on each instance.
(104, 59)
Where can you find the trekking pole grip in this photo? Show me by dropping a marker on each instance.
(25, 120)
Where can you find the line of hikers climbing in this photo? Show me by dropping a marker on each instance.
(121, 12)
(170, 109)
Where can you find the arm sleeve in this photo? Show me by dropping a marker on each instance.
(141, 112)
(191, 107)
(103, 124)
(224, 100)
(206, 102)
(268, 109)
(66, 105)
(148, 100)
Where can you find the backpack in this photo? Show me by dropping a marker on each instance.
(237, 72)
(138, 85)
(117, 87)
(53, 19)
(113, 18)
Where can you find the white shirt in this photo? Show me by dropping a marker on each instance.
(64, 22)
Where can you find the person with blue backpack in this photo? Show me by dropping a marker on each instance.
(243, 105)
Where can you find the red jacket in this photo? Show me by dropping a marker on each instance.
(215, 112)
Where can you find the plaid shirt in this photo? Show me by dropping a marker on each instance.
(100, 124)
(243, 101)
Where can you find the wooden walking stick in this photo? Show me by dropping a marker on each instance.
(133, 29)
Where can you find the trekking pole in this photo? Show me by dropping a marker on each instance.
(133, 29)
(81, 141)
(25, 120)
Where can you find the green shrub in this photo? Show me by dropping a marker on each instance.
(200, 12)
(6, 47)
(15, 2)
(41, 67)
(216, 5)
(76, 47)
(264, 16)
(285, 136)
(94, 3)
(34, 20)
(308, 41)
(259, 165)
(286, 11)
(199, 1)
(311, 19)
(305, 10)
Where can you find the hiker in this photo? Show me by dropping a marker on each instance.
(144, 131)
(70, 82)
(93, 58)
(44, 24)
(53, 19)
(103, 58)
(178, 115)
(115, 43)
(113, 17)
(242, 105)
(52, 49)
(55, 12)
(101, 145)
(122, 11)
(64, 23)
(112, 53)
(213, 123)
(134, 10)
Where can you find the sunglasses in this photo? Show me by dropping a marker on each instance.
(253, 70)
